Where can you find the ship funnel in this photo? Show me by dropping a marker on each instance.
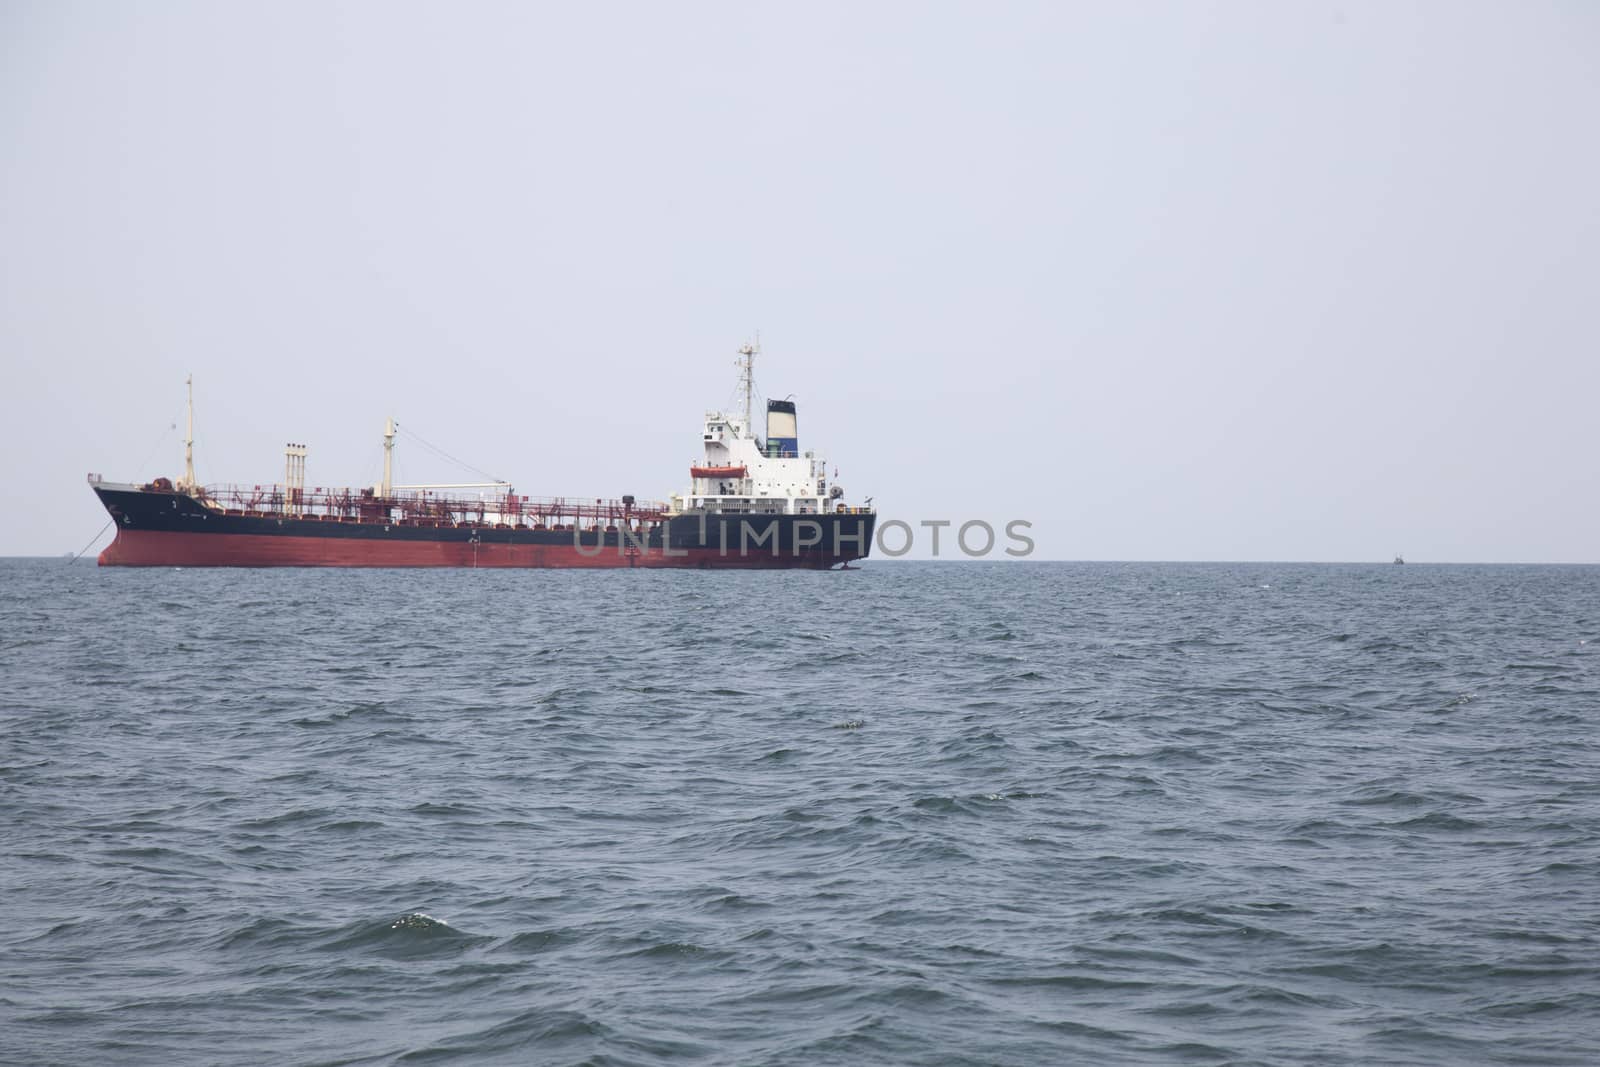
(782, 428)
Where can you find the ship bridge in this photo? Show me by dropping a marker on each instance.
(742, 473)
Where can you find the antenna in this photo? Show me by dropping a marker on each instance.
(188, 440)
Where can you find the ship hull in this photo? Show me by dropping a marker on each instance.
(168, 529)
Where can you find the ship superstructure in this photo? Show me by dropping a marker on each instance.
(742, 474)
(752, 503)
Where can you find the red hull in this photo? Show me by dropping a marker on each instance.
(151, 548)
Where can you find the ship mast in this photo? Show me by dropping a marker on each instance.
(188, 440)
(388, 459)
(747, 379)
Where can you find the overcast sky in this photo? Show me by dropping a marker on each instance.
(1262, 281)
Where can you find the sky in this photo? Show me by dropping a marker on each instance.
(1173, 281)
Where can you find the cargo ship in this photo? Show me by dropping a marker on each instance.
(751, 502)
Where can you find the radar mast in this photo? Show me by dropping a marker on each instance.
(747, 381)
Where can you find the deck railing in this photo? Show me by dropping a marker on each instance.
(423, 507)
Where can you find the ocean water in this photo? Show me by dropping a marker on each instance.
(958, 813)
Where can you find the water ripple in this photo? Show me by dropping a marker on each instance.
(918, 814)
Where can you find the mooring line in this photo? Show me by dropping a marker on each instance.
(79, 555)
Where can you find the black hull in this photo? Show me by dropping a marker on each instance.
(164, 528)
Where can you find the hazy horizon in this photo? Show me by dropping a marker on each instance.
(1254, 283)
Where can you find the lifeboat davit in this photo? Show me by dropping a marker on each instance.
(719, 472)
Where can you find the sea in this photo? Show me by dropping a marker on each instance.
(915, 813)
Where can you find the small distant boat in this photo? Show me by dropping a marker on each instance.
(1399, 560)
